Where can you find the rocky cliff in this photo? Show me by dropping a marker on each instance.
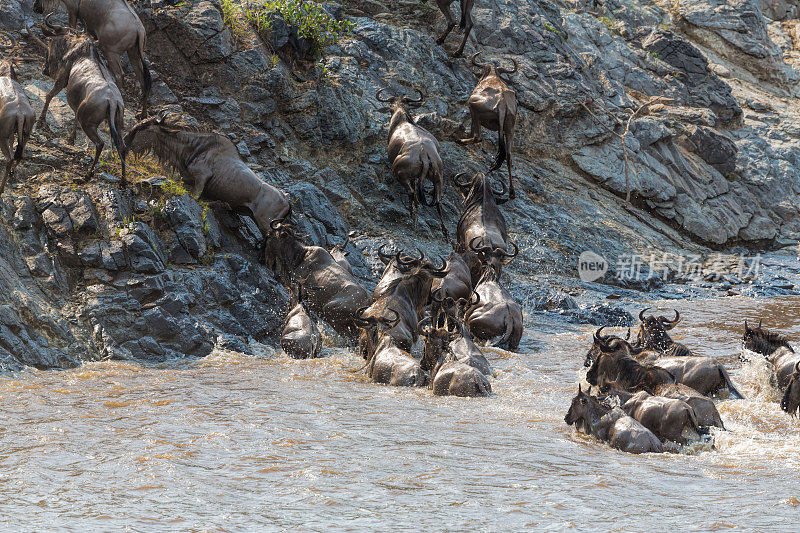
(702, 91)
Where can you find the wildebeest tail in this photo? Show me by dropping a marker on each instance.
(509, 324)
(20, 136)
(735, 394)
(115, 138)
(502, 150)
(420, 189)
(148, 79)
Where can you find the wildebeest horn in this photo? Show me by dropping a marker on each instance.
(384, 257)
(476, 63)
(55, 29)
(501, 70)
(439, 299)
(11, 40)
(418, 102)
(509, 255)
(501, 192)
(797, 366)
(391, 323)
(759, 323)
(600, 339)
(746, 329)
(378, 96)
(359, 318)
(411, 260)
(482, 249)
(442, 268)
(477, 298)
(628, 335)
(461, 184)
(641, 314)
(671, 323)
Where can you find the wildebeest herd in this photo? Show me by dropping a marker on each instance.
(649, 391)
(655, 390)
(452, 305)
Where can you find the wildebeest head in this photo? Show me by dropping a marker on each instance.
(489, 69)
(605, 343)
(790, 402)
(438, 336)
(6, 66)
(583, 410)
(283, 247)
(42, 6)
(653, 331)
(762, 341)
(399, 103)
(496, 258)
(64, 46)
(372, 329)
(141, 137)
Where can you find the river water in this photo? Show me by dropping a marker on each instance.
(244, 443)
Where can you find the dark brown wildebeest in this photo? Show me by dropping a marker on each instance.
(211, 167)
(653, 335)
(460, 344)
(497, 313)
(465, 24)
(451, 375)
(493, 105)
(333, 294)
(414, 154)
(703, 374)
(385, 362)
(669, 419)
(117, 28)
(612, 425)
(457, 284)
(785, 362)
(614, 368)
(301, 338)
(16, 117)
(75, 63)
(406, 294)
(482, 234)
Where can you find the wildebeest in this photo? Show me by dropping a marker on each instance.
(653, 335)
(465, 24)
(332, 293)
(497, 313)
(493, 105)
(117, 28)
(450, 375)
(75, 63)
(211, 167)
(706, 375)
(612, 367)
(669, 419)
(482, 234)
(16, 117)
(385, 362)
(406, 294)
(301, 338)
(460, 343)
(785, 362)
(414, 154)
(457, 284)
(611, 425)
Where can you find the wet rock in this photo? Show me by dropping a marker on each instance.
(143, 249)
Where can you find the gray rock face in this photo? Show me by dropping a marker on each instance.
(715, 149)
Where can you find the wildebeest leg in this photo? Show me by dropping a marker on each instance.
(114, 63)
(91, 132)
(466, 23)
(444, 6)
(509, 145)
(6, 149)
(74, 132)
(57, 87)
(475, 131)
(137, 61)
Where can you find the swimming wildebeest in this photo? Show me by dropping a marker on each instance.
(75, 63)
(653, 335)
(460, 343)
(457, 284)
(414, 154)
(465, 24)
(706, 375)
(669, 419)
(493, 105)
(338, 253)
(385, 362)
(16, 116)
(301, 338)
(497, 313)
(117, 28)
(406, 294)
(612, 367)
(785, 362)
(450, 376)
(611, 425)
(211, 167)
(332, 293)
(482, 233)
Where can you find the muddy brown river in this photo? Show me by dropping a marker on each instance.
(243, 443)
